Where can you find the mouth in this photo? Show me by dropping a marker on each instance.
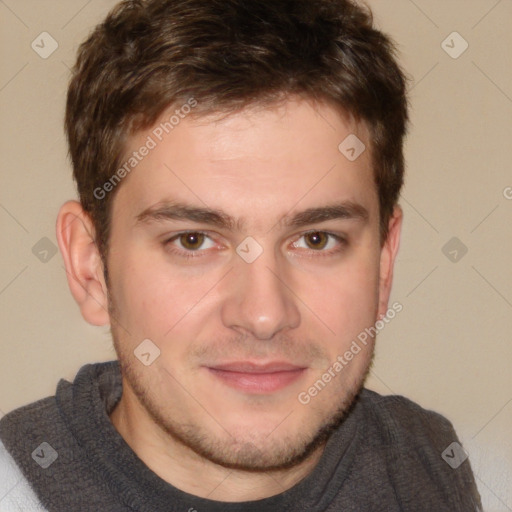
(255, 378)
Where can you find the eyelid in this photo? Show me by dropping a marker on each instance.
(340, 239)
(191, 255)
(176, 236)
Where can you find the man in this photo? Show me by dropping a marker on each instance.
(239, 164)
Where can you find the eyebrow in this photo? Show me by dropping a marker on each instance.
(169, 210)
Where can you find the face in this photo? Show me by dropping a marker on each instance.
(246, 248)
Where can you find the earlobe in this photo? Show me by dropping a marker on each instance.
(387, 259)
(83, 264)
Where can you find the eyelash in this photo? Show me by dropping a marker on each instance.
(198, 253)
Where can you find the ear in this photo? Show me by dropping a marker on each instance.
(387, 259)
(84, 267)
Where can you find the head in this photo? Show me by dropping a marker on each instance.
(221, 218)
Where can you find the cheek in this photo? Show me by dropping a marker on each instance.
(346, 299)
(154, 300)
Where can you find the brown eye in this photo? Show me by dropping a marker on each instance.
(316, 240)
(191, 241)
(323, 243)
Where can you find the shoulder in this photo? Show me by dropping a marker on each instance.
(21, 434)
(421, 446)
(23, 428)
(402, 414)
(406, 426)
(15, 491)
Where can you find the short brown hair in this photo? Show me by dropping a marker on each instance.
(226, 54)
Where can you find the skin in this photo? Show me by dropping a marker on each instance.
(303, 300)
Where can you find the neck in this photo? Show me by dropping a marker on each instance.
(179, 465)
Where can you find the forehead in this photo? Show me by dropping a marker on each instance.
(255, 164)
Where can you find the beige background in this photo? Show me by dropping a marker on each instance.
(449, 349)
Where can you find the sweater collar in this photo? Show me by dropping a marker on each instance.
(85, 406)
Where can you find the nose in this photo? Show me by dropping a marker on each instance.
(259, 300)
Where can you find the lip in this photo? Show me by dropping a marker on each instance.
(257, 378)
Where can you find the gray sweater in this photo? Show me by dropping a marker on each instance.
(389, 454)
